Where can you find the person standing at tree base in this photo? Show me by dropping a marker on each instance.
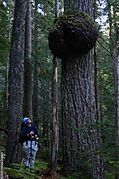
(29, 142)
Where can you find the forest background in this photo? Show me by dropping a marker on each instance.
(106, 15)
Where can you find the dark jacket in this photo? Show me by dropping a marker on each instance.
(25, 131)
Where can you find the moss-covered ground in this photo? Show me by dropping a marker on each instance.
(17, 171)
(41, 171)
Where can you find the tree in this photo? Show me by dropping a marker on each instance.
(4, 49)
(81, 139)
(35, 69)
(117, 98)
(114, 50)
(15, 100)
(42, 67)
(54, 122)
(28, 64)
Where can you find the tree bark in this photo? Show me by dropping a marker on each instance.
(117, 98)
(15, 89)
(28, 64)
(79, 5)
(110, 22)
(54, 122)
(81, 139)
(36, 71)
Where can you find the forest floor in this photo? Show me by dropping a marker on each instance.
(41, 171)
(47, 174)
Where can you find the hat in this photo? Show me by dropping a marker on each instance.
(25, 120)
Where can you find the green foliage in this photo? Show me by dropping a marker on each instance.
(4, 52)
(4, 32)
(74, 176)
(42, 63)
(21, 173)
(106, 98)
(18, 171)
(39, 165)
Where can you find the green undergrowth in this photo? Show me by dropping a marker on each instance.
(17, 171)
(110, 176)
(77, 176)
(74, 176)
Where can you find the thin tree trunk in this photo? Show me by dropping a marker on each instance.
(28, 64)
(36, 71)
(97, 101)
(56, 8)
(15, 88)
(54, 123)
(95, 68)
(117, 99)
(110, 24)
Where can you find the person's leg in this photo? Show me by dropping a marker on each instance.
(34, 149)
(26, 154)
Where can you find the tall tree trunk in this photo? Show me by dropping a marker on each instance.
(54, 122)
(81, 141)
(110, 24)
(28, 64)
(15, 88)
(96, 71)
(36, 71)
(117, 99)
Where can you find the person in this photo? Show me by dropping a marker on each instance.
(29, 141)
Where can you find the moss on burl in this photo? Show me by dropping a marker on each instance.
(73, 34)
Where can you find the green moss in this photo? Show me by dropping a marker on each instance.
(70, 15)
(19, 172)
(13, 173)
(72, 33)
(74, 176)
(40, 165)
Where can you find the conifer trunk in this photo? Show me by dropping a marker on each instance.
(54, 122)
(81, 139)
(117, 98)
(36, 71)
(15, 88)
(28, 64)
